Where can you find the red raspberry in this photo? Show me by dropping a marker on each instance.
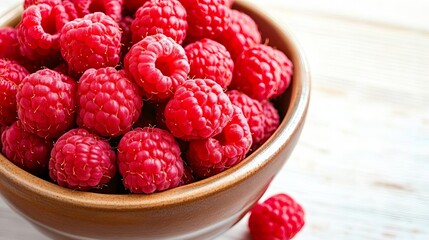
(199, 109)
(93, 41)
(52, 3)
(131, 6)
(26, 150)
(39, 32)
(11, 75)
(188, 176)
(108, 101)
(271, 120)
(158, 65)
(210, 156)
(278, 217)
(206, 18)
(112, 8)
(286, 74)
(149, 160)
(210, 59)
(46, 103)
(160, 16)
(241, 34)
(9, 44)
(257, 73)
(2, 128)
(81, 160)
(254, 113)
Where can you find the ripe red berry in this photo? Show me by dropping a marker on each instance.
(9, 44)
(93, 41)
(82, 161)
(206, 18)
(271, 120)
(39, 32)
(199, 109)
(158, 65)
(11, 75)
(286, 73)
(26, 150)
(112, 8)
(278, 217)
(210, 156)
(149, 160)
(210, 59)
(46, 103)
(240, 34)
(160, 16)
(109, 103)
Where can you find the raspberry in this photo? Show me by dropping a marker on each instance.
(271, 120)
(46, 103)
(39, 33)
(112, 8)
(210, 59)
(149, 160)
(52, 3)
(278, 217)
(210, 156)
(199, 109)
(126, 36)
(206, 18)
(2, 128)
(9, 44)
(11, 75)
(188, 176)
(241, 34)
(108, 101)
(253, 111)
(257, 73)
(26, 150)
(286, 74)
(131, 6)
(93, 41)
(81, 160)
(160, 16)
(158, 65)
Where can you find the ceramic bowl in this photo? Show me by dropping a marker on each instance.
(200, 210)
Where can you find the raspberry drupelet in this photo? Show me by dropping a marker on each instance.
(93, 41)
(149, 160)
(158, 65)
(46, 103)
(11, 75)
(210, 59)
(160, 16)
(199, 109)
(26, 150)
(82, 161)
(211, 156)
(109, 103)
(278, 217)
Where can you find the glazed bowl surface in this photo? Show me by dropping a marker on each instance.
(200, 210)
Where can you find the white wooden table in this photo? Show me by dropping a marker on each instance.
(361, 167)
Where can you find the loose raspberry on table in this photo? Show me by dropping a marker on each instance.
(11, 75)
(241, 33)
(52, 3)
(160, 16)
(158, 65)
(211, 156)
(278, 217)
(206, 18)
(210, 59)
(257, 73)
(109, 103)
(9, 44)
(93, 41)
(82, 161)
(39, 33)
(149, 160)
(46, 103)
(199, 109)
(26, 150)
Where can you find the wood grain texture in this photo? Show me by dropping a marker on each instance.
(361, 167)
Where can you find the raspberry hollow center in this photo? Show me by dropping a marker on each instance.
(48, 24)
(97, 6)
(164, 64)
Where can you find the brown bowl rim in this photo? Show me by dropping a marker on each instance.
(289, 126)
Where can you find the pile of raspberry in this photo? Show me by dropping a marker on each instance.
(135, 96)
